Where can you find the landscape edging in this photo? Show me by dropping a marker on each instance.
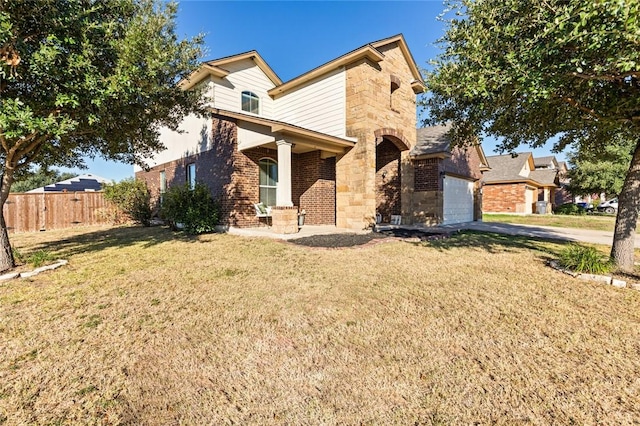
(33, 273)
(605, 279)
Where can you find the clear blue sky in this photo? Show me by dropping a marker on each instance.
(295, 37)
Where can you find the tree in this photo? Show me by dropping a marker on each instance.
(597, 172)
(526, 71)
(84, 78)
(39, 178)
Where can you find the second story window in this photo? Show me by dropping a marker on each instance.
(250, 102)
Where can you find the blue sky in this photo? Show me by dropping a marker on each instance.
(295, 37)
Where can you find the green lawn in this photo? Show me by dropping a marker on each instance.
(594, 222)
(144, 326)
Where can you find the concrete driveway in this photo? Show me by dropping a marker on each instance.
(566, 234)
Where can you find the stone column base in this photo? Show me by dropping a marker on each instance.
(284, 219)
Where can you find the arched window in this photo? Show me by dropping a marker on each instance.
(250, 102)
(268, 181)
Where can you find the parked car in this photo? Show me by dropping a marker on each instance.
(610, 206)
(585, 206)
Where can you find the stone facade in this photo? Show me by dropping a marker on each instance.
(371, 106)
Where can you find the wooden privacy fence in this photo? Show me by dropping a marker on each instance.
(54, 210)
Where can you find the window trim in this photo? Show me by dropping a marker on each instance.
(163, 181)
(191, 175)
(268, 160)
(252, 98)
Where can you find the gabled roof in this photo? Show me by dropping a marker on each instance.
(216, 68)
(418, 83)
(506, 167)
(510, 168)
(85, 182)
(545, 177)
(546, 161)
(370, 51)
(433, 142)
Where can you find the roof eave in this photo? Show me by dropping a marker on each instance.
(204, 71)
(324, 141)
(365, 52)
(407, 53)
(253, 54)
(440, 155)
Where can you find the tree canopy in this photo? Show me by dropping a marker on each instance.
(526, 71)
(83, 78)
(604, 171)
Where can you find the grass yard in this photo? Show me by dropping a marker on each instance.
(147, 327)
(595, 222)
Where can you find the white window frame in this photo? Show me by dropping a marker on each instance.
(261, 185)
(252, 97)
(191, 175)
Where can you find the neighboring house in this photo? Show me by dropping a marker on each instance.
(86, 182)
(339, 142)
(563, 195)
(515, 185)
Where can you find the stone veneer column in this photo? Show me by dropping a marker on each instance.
(284, 219)
(283, 188)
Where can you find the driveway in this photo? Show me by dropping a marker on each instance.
(566, 234)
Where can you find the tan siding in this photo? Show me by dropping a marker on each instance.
(244, 75)
(318, 105)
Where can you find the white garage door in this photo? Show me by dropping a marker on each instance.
(457, 200)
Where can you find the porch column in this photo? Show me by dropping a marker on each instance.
(283, 188)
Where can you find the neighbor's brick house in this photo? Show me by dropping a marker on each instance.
(339, 142)
(515, 183)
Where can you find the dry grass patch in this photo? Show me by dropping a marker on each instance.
(146, 327)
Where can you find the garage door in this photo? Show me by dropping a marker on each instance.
(457, 200)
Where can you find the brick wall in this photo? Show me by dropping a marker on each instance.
(314, 187)
(233, 178)
(427, 175)
(504, 198)
(387, 180)
(464, 161)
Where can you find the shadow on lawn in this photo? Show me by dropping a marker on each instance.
(497, 243)
(112, 237)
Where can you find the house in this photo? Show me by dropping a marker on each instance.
(86, 182)
(516, 183)
(339, 142)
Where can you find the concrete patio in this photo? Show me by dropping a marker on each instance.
(305, 231)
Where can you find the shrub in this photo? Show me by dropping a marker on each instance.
(585, 259)
(194, 208)
(569, 208)
(132, 198)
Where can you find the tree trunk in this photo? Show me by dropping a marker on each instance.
(6, 254)
(624, 237)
